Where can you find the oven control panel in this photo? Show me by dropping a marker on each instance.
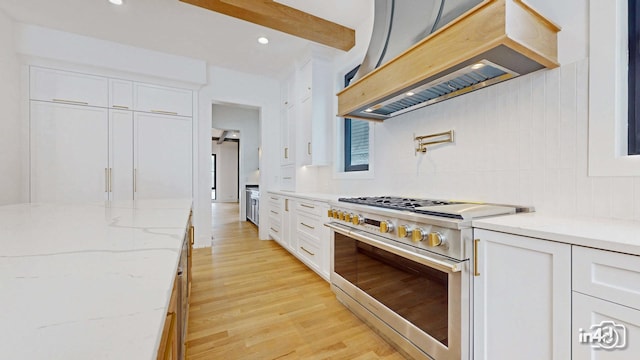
(420, 235)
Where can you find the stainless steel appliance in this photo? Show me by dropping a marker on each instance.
(405, 266)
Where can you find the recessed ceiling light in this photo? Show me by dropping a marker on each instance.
(369, 110)
(263, 40)
(477, 66)
(116, 2)
(410, 93)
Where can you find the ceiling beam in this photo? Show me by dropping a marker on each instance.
(283, 18)
(223, 136)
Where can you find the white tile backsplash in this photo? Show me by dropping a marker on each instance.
(523, 141)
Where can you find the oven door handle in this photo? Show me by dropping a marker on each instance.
(448, 266)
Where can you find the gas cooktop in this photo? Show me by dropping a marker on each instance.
(440, 208)
(394, 202)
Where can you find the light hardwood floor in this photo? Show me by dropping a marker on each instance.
(251, 299)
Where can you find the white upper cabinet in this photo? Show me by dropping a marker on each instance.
(68, 87)
(162, 100)
(120, 94)
(315, 112)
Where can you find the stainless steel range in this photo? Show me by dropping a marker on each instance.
(405, 266)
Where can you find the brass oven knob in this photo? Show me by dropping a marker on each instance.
(357, 220)
(435, 239)
(330, 213)
(418, 234)
(386, 227)
(348, 217)
(339, 215)
(403, 231)
(335, 214)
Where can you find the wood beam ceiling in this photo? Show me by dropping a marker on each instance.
(283, 18)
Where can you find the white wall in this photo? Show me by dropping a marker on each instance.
(246, 120)
(231, 87)
(12, 171)
(227, 170)
(522, 142)
(72, 48)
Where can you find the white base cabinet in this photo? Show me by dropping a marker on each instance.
(606, 305)
(522, 298)
(297, 225)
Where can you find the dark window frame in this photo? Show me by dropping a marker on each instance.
(347, 133)
(634, 79)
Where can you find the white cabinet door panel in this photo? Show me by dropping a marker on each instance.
(69, 153)
(120, 94)
(589, 311)
(162, 156)
(163, 100)
(121, 154)
(522, 298)
(68, 87)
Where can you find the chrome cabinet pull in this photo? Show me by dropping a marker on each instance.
(308, 206)
(475, 257)
(309, 148)
(307, 251)
(275, 212)
(106, 180)
(120, 107)
(135, 180)
(72, 102)
(274, 230)
(286, 153)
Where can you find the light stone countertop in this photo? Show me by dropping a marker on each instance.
(89, 281)
(614, 235)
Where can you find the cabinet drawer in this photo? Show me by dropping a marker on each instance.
(275, 226)
(607, 275)
(588, 311)
(68, 87)
(309, 207)
(309, 250)
(274, 202)
(163, 100)
(308, 224)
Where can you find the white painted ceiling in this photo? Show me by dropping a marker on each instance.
(177, 28)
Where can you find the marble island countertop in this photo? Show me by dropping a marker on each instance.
(90, 281)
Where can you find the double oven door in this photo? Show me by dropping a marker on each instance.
(416, 300)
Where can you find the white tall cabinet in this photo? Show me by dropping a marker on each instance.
(94, 138)
(162, 156)
(69, 152)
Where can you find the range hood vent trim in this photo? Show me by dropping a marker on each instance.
(506, 33)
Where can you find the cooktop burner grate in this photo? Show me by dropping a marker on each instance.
(394, 202)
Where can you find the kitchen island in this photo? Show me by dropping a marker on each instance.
(90, 281)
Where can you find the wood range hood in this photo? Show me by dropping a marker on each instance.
(492, 42)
